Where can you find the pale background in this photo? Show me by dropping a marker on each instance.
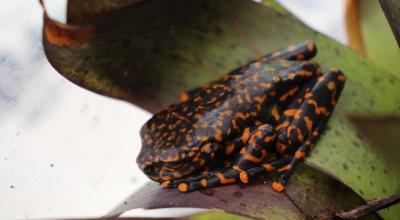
(65, 151)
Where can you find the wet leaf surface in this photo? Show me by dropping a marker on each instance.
(147, 60)
(310, 194)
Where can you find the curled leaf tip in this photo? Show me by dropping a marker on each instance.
(65, 34)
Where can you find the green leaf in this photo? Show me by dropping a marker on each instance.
(148, 53)
(379, 41)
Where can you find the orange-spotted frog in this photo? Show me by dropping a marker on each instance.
(259, 118)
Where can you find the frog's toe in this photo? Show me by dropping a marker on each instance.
(278, 186)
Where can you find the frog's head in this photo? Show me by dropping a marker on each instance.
(170, 151)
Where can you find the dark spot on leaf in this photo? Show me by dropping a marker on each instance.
(376, 79)
(361, 192)
(207, 192)
(337, 133)
(371, 183)
(220, 65)
(345, 167)
(237, 194)
(361, 137)
(383, 190)
(352, 161)
(392, 80)
(359, 177)
(385, 171)
(373, 167)
(233, 46)
(334, 145)
(356, 144)
(371, 102)
(223, 200)
(337, 52)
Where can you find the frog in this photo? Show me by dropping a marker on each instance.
(263, 117)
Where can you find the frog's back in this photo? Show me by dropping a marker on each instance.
(223, 108)
(179, 124)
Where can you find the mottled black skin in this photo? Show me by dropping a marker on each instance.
(193, 136)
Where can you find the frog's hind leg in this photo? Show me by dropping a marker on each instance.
(301, 51)
(257, 145)
(304, 130)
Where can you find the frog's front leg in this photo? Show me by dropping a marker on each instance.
(256, 146)
(295, 140)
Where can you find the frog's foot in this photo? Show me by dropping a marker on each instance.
(271, 166)
(228, 175)
(284, 166)
(257, 146)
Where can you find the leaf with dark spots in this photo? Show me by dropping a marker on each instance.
(149, 52)
(309, 194)
(383, 134)
(392, 12)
